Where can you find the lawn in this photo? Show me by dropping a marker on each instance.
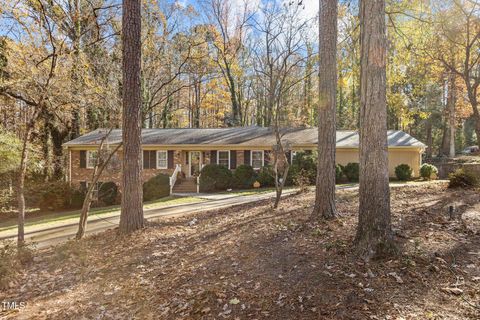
(253, 262)
(46, 218)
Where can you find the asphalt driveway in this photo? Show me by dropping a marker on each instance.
(47, 234)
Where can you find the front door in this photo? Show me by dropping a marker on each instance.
(195, 159)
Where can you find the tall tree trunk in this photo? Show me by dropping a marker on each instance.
(75, 127)
(327, 107)
(374, 236)
(21, 188)
(131, 217)
(451, 114)
(429, 151)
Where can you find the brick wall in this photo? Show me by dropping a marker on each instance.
(79, 175)
(84, 174)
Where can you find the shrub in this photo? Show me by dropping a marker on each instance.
(302, 180)
(305, 162)
(266, 177)
(108, 193)
(207, 184)
(50, 196)
(427, 170)
(352, 171)
(338, 173)
(77, 198)
(403, 172)
(156, 187)
(244, 177)
(12, 258)
(220, 176)
(463, 179)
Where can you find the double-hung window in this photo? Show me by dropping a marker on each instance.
(92, 156)
(162, 159)
(223, 158)
(257, 158)
(292, 156)
(149, 159)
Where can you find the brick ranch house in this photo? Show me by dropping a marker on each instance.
(181, 153)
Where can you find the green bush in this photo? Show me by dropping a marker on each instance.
(352, 171)
(219, 176)
(302, 180)
(266, 177)
(207, 184)
(427, 170)
(108, 194)
(156, 187)
(52, 196)
(305, 165)
(244, 177)
(338, 173)
(77, 198)
(463, 179)
(403, 172)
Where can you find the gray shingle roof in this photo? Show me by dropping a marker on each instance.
(242, 136)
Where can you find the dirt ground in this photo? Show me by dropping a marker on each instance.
(251, 262)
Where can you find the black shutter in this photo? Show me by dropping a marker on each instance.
(246, 157)
(83, 186)
(83, 159)
(233, 159)
(153, 159)
(146, 159)
(266, 157)
(288, 154)
(213, 156)
(170, 158)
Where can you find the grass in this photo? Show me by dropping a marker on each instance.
(62, 216)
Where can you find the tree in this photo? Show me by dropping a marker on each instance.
(327, 107)
(458, 31)
(230, 23)
(103, 161)
(279, 59)
(131, 216)
(374, 232)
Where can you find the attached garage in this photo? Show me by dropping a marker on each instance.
(396, 156)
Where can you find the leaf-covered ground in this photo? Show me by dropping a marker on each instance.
(251, 262)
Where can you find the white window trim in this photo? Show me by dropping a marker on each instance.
(157, 166)
(292, 155)
(218, 157)
(88, 164)
(251, 158)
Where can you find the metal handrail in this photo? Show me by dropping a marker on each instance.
(173, 178)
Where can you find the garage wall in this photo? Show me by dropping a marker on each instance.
(395, 157)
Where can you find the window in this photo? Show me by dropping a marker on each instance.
(292, 156)
(149, 159)
(92, 159)
(162, 159)
(223, 158)
(95, 190)
(257, 159)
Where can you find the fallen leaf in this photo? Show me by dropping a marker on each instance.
(455, 291)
